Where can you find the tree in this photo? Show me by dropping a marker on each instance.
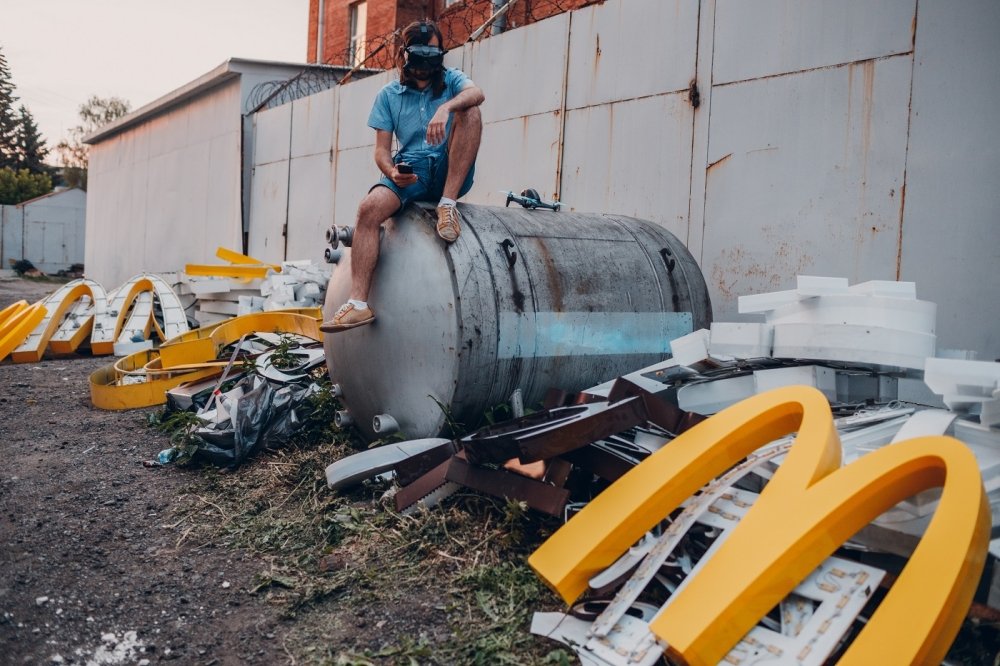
(18, 186)
(95, 113)
(29, 144)
(8, 117)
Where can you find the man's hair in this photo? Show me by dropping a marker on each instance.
(419, 33)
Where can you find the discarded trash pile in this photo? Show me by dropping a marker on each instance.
(252, 404)
(215, 293)
(123, 321)
(144, 378)
(731, 538)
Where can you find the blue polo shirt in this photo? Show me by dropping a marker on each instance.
(406, 112)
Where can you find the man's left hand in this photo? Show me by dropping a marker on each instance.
(438, 126)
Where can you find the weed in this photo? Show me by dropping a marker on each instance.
(179, 426)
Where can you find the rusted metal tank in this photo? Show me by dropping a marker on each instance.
(524, 299)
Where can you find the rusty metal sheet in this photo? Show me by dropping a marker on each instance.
(805, 176)
(538, 495)
(549, 435)
(768, 37)
(631, 158)
(521, 71)
(610, 40)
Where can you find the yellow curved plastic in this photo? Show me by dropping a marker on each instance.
(808, 509)
(201, 349)
(17, 328)
(107, 393)
(67, 341)
(12, 310)
(104, 344)
(57, 305)
(234, 257)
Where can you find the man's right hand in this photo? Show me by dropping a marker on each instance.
(402, 179)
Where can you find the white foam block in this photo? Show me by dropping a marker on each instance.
(885, 288)
(813, 285)
(691, 348)
(740, 340)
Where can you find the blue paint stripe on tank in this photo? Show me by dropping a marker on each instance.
(540, 334)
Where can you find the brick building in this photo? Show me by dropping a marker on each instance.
(348, 32)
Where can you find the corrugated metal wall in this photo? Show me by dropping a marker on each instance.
(832, 137)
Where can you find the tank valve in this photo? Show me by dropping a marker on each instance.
(336, 235)
(342, 419)
(332, 255)
(383, 424)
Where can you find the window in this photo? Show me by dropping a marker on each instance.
(359, 19)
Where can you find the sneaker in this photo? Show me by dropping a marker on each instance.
(347, 317)
(449, 223)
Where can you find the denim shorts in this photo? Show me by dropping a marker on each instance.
(431, 173)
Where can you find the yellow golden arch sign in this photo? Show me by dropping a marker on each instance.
(808, 509)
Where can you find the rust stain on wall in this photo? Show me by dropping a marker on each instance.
(718, 161)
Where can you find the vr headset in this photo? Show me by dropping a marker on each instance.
(423, 57)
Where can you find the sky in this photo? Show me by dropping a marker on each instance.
(60, 52)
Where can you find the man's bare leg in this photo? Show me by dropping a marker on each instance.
(377, 206)
(463, 146)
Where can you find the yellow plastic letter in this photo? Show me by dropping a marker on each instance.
(807, 511)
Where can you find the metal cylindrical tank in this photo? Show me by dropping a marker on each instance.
(524, 299)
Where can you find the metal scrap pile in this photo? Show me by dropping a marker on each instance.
(851, 345)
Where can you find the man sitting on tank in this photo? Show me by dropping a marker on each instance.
(434, 113)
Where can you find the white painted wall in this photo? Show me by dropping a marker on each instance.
(167, 192)
(833, 137)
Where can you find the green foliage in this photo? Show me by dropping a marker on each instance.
(180, 427)
(22, 185)
(21, 144)
(8, 117)
(95, 113)
(29, 144)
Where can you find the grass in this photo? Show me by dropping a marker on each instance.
(360, 583)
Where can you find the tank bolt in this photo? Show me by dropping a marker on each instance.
(337, 390)
(383, 424)
(343, 419)
(332, 255)
(336, 235)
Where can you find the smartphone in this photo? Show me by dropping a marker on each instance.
(403, 167)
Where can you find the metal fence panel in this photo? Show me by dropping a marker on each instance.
(622, 50)
(352, 111)
(631, 158)
(268, 212)
(771, 37)
(272, 140)
(310, 206)
(313, 123)
(951, 244)
(521, 72)
(517, 154)
(805, 177)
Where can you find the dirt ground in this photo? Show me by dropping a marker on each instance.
(89, 570)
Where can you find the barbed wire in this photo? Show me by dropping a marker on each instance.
(464, 21)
